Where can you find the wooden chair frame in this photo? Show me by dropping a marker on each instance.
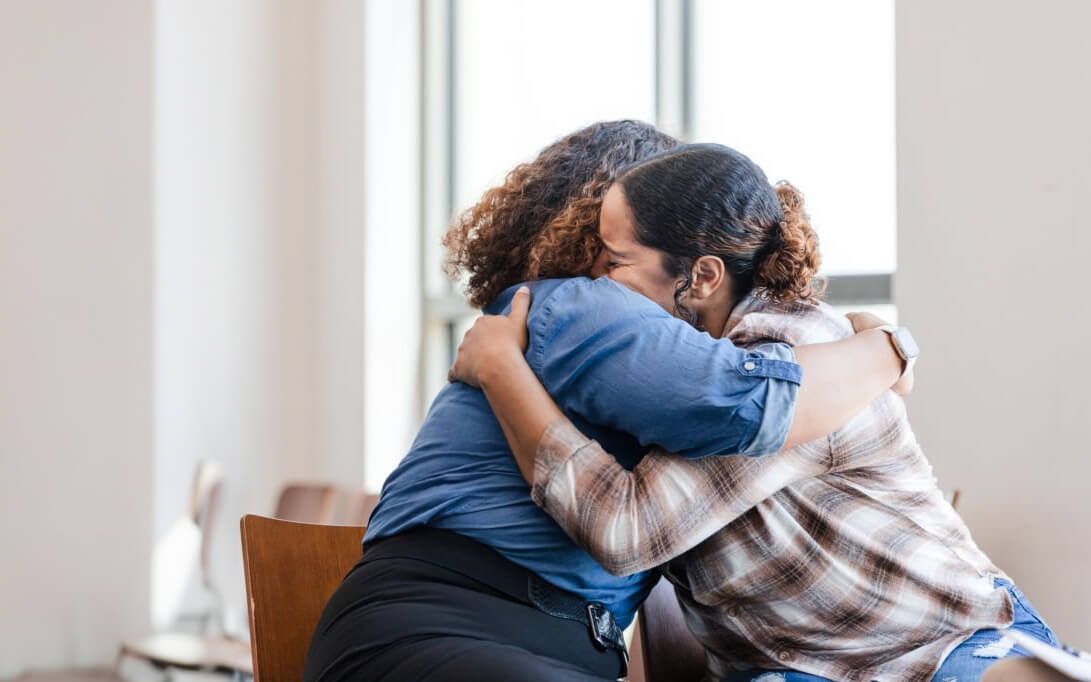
(291, 570)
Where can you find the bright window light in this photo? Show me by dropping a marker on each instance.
(806, 89)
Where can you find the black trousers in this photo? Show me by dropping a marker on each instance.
(433, 605)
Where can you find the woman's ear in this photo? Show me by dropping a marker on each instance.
(708, 275)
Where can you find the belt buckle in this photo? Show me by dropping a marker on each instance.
(598, 616)
(595, 612)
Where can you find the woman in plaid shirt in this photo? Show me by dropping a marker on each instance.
(835, 559)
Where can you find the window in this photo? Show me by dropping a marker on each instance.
(806, 89)
(518, 75)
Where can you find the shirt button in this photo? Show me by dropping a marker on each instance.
(749, 366)
(733, 611)
(784, 655)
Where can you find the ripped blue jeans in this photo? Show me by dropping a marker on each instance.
(966, 662)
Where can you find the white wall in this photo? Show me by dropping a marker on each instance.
(994, 101)
(76, 285)
(392, 259)
(260, 256)
(235, 258)
(339, 250)
(181, 205)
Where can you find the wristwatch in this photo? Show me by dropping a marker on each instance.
(905, 345)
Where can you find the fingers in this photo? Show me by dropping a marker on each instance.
(520, 306)
(864, 321)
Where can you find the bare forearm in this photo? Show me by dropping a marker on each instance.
(521, 405)
(840, 379)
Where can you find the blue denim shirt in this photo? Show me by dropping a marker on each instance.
(629, 375)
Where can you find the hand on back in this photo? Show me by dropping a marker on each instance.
(492, 341)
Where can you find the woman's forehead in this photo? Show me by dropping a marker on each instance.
(615, 220)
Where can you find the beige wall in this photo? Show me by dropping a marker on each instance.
(76, 280)
(259, 255)
(235, 259)
(181, 276)
(994, 101)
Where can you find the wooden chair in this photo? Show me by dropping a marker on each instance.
(306, 502)
(671, 652)
(291, 570)
(953, 497)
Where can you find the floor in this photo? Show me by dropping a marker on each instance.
(128, 671)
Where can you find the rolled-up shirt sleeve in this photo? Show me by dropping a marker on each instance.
(618, 359)
(780, 400)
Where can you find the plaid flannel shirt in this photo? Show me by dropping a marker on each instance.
(840, 557)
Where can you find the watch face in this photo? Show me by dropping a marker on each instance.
(907, 343)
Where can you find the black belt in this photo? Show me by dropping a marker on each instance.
(479, 562)
(558, 603)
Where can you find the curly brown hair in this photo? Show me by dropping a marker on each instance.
(789, 270)
(542, 222)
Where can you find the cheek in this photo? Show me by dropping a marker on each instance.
(598, 268)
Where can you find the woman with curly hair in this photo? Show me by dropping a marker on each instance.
(463, 577)
(837, 559)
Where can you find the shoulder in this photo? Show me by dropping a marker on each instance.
(756, 320)
(573, 315)
(602, 294)
(601, 301)
(582, 293)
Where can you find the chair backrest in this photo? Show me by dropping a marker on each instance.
(291, 570)
(204, 503)
(306, 502)
(356, 507)
(671, 652)
(954, 497)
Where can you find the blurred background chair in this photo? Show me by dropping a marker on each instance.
(291, 570)
(355, 507)
(953, 496)
(306, 502)
(210, 649)
(204, 505)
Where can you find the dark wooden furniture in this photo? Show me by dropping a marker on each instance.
(291, 570)
(671, 652)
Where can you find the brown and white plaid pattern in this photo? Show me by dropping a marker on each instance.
(838, 558)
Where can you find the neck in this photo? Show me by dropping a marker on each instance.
(714, 310)
(714, 325)
(713, 318)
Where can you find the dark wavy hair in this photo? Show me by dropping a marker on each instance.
(542, 221)
(710, 200)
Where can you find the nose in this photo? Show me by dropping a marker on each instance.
(598, 268)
